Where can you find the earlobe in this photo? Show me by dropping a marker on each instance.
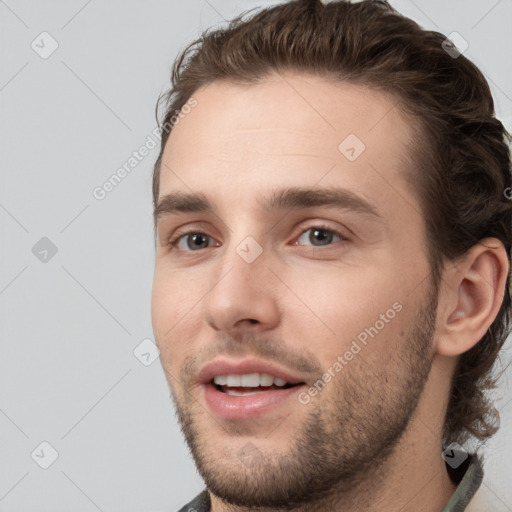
(471, 295)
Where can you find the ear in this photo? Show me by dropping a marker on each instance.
(470, 297)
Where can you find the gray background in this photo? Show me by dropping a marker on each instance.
(70, 324)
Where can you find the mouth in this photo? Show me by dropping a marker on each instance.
(239, 396)
(250, 384)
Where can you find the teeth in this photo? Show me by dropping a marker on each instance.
(234, 380)
(266, 380)
(250, 380)
(243, 393)
(220, 380)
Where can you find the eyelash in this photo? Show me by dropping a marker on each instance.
(173, 242)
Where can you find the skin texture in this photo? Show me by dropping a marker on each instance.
(371, 439)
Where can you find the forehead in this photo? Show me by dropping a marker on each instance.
(289, 130)
(309, 106)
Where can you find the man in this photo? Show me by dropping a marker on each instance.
(333, 249)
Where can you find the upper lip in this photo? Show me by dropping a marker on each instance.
(243, 367)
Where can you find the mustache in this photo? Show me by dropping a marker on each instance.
(251, 345)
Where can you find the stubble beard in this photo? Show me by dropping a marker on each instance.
(345, 436)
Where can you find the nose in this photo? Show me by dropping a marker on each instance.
(244, 292)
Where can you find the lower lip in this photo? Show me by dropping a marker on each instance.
(248, 406)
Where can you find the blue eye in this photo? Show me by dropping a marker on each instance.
(193, 241)
(319, 236)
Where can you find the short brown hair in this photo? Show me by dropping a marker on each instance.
(461, 159)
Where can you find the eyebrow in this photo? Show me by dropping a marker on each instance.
(282, 199)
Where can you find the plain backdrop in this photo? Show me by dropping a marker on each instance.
(76, 272)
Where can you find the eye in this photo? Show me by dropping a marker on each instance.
(319, 236)
(191, 241)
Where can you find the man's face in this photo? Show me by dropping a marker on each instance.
(334, 298)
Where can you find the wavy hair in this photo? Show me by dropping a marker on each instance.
(460, 154)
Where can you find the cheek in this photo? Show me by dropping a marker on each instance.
(331, 307)
(173, 306)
